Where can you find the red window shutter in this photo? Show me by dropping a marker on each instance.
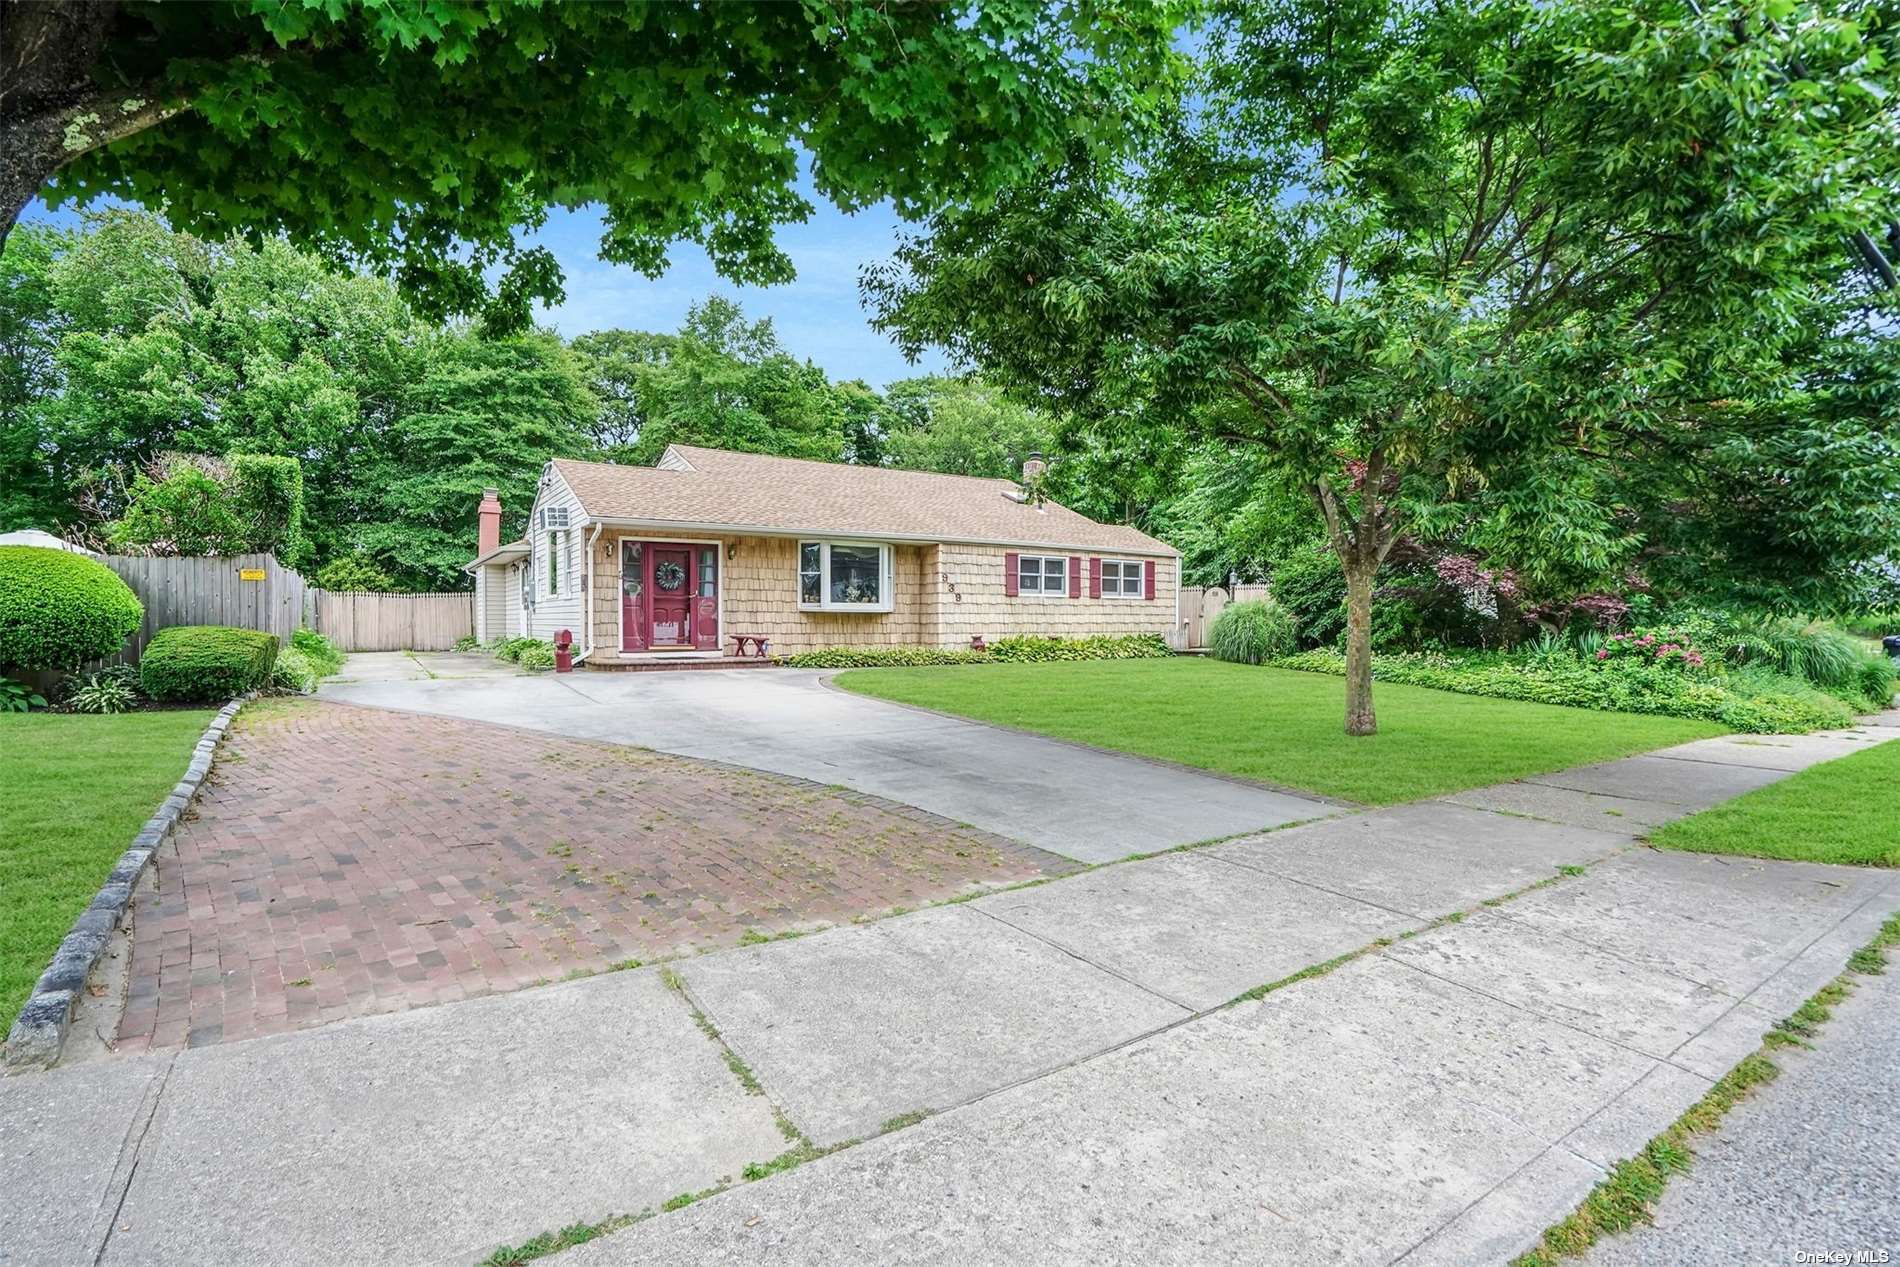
(1075, 576)
(1148, 579)
(1095, 578)
(1009, 575)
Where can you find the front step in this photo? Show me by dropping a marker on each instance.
(611, 665)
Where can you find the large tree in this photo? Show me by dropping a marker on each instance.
(1468, 269)
(423, 137)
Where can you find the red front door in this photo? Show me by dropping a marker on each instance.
(670, 595)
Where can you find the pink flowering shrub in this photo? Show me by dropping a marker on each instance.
(1663, 648)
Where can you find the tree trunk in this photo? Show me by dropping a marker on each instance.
(1359, 716)
(51, 108)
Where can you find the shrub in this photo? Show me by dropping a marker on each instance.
(535, 654)
(18, 697)
(1029, 649)
(1023, 649)
(1311, 586)
(294, 672)
(267, 496)
(353, 572)
(513, 649)
(59, 609)
(1663, 648)
(468, 642)
(107, 691)
(318, 650)
(878, 657)
(1249, 633)
(207, 662)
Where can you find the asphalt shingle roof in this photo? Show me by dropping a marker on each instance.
(723, 489)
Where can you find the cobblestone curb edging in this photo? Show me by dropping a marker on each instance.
(39, 1034)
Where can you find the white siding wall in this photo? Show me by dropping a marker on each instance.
(562, 609)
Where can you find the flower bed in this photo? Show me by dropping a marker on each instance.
(1634, 681)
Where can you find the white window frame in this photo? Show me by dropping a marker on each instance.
(887, 578)
(1042, 573)
(1140, 567)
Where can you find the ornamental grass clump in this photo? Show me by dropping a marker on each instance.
(1253, 633)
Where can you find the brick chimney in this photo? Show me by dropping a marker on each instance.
(488, 536)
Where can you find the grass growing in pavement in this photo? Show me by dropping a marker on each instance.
(1279, 726)
(1846, 810)
(77, 788)
(1627, 1197)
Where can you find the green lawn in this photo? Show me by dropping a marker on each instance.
(1839, 811)
(1280, 726)
(74, 790)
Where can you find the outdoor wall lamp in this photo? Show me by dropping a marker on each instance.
(732, 551)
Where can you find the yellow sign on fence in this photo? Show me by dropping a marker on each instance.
(250, 574)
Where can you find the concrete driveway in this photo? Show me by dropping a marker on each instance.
(1084, 804)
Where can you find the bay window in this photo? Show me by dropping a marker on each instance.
(844, 576)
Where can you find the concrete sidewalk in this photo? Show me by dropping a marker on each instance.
(1806, 1164)
(1439, 1099)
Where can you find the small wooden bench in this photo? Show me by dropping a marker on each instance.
(760, 642)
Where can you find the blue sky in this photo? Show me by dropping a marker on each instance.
(818, 316)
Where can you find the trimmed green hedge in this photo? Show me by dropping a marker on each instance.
(1026, 650)
(207, 662)
(1021, 650)
(877, 658)
(59, 609)
(1759, 703)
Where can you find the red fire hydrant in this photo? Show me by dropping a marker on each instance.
(564, 651)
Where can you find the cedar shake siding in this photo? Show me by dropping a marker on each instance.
(944, 595)
(967, 557)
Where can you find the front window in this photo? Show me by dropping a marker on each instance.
(1043, 574)
(632, 571)
(554, 563)
(708, 571)
(1121, 578)
(844, 576)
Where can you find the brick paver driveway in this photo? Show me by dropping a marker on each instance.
(346, 860)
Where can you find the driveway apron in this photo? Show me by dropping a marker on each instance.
(1083, 803)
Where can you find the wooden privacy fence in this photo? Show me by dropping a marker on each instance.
(1201, 603)
(361, 621)
(250, 591)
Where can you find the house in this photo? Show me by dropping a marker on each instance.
(671, 561)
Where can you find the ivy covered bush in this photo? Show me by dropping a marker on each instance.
(1253, 632)
(207, 662)
(59, 609)
(1020, 650)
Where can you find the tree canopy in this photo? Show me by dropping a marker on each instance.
(423, 139)
(1546, 279)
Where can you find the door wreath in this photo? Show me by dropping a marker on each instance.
(669, 576)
